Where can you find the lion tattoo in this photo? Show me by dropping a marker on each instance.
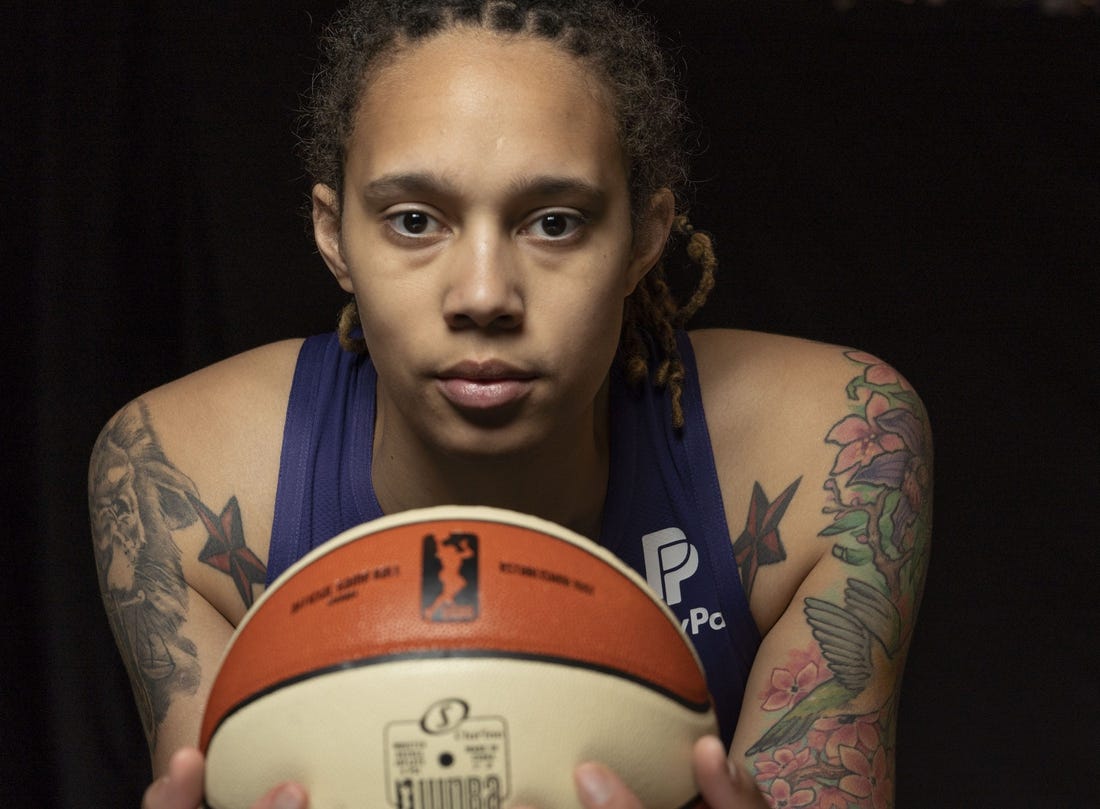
(136, 499)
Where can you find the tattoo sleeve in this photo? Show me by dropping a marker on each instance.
(137, 499)
(831, 744)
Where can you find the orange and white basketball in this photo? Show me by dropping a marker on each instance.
(455, 658)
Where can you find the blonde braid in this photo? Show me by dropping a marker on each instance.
(700, 249)
(346, 324)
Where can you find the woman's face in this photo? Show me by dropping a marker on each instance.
(485, 232)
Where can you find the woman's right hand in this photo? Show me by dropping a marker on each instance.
(181, 787)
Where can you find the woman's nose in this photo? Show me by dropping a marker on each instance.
(483, 289)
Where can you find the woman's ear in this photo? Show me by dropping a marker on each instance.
(326, 233)
(651, 236)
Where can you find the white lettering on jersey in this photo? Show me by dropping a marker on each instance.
(669, 560)
(700, 617)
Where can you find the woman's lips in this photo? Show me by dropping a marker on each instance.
(484, 385)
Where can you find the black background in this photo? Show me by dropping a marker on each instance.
(919, 182)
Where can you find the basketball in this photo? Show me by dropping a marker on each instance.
(455, 658)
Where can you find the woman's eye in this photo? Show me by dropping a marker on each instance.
(412, 223)
(555, 225)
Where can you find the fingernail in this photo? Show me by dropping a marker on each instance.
(287, 798)
(595, 786)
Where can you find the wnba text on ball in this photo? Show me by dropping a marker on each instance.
(470, 792)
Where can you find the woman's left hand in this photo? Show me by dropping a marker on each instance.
(721, 785)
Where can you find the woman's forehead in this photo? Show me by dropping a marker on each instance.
(473, 101)
(473, 45)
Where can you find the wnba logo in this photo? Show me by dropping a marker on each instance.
(470, 792)
(449, 590)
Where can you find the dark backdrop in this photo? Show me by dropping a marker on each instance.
(919, 182)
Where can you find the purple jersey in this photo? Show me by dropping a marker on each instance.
(663, 514)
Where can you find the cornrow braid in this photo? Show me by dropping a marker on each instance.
(619, 46)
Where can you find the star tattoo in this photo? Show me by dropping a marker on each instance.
(225, 548)
(759, 544)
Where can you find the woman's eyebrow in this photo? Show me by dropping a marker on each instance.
(552, 185)
(405, 183)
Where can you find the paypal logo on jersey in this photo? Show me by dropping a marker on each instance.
(670, 560)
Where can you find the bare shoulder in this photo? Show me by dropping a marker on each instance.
(257, 376)
(800, 431)
(752, 379)
(205, 445)
(754, 363)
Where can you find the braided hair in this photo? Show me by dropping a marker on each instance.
(621, 48)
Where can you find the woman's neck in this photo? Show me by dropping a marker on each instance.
(563, 479)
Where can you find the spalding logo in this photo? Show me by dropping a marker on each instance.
(449, 589)
(444, 715)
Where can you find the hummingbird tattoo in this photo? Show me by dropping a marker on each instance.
(857, 640)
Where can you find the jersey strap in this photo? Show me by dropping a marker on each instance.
(324, 473)
(664, 516)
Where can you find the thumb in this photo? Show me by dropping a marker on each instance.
(284, 796)
(181, 786)
(723, 784)
(599, 788)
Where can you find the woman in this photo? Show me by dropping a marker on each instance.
(495, 187)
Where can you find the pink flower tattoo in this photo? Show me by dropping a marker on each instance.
(781, 796)
(867, 778)
(783, 763)
(877, 372)
(863, 439)
(859, 731)
(788, 688)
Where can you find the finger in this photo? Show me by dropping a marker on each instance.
(599, 788)
(722, 784)
(181, 786)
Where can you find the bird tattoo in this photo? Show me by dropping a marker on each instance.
(857, 641)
